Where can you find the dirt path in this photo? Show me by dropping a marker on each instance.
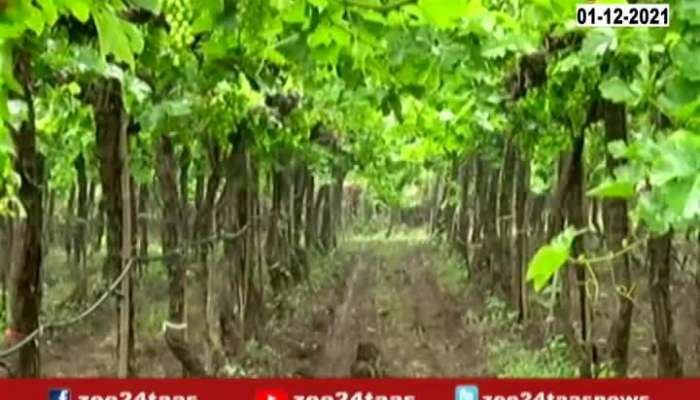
(351, 319)
(385, 307)
(393, 303)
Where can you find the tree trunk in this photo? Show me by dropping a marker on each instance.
(69, 225)
(92, 195)
(311, 216)
(503, 254)
(184, 185)
(448, 209)
(143, 221)
(204, 219)
(232, 303)
(463, 235)
(254, 308)
(555, 224)
(203, 228)
(80, 230)
(668, 359)
(126, 333)
(337, 204)
(480, 186)
(111, 121)
(487, 210)
(5, 254)
(25, 282)
(568, 206)
(326, 217)
(615, 211)
(434, 204)
(50, 218)
(274, 247)
(537, 218)
(100, 225)
(520, 191)
(299, 257)
(176, 330)
(576, 217)
(199, 191)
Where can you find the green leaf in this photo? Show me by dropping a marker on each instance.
(617, 148)
(677, 196)
(6, 68)
(88, 59)
(113, 37)
(685, 57)
(618, 91)
(4, 110)
(319, 3)
(137, 91)
(549, 259)
(50, 12)
(671, 165)
(136, 42)
(339, 36)
(203, 23)
(33, 18)
(79, 8)
(6, 145)
(688, 10)
(73, 88)
(443, 13)
(692, 205)
(296, 13)
(598, 42)
(322, 36)
(681, 98)
(150, 5)
(651, 210)
(612, 189)
(177, 108)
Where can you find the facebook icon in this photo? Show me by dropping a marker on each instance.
(467, 392)
(59, 394)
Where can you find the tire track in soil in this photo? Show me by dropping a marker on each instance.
(344, 334)
(393, 300)
(452, 349)
(432, 340)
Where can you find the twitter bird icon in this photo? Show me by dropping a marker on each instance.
(467, 392)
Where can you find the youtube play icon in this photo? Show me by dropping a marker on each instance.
(271, 394)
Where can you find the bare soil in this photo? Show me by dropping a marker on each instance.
(383, 313)
(393, 302)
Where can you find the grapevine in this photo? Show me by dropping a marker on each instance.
(178, 14)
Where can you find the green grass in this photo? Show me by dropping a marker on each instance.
(509, 354)
(453, 275)
(259, 360)
(3, 320)
(399, 235)
(511, 359)
(294, 306)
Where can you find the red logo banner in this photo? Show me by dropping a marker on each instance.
(348, 389)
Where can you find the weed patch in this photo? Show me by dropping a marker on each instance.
(453, 275)
(510, 356)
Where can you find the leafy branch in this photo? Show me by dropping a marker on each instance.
(550, 258)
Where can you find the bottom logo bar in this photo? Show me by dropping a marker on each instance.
(347, 389)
